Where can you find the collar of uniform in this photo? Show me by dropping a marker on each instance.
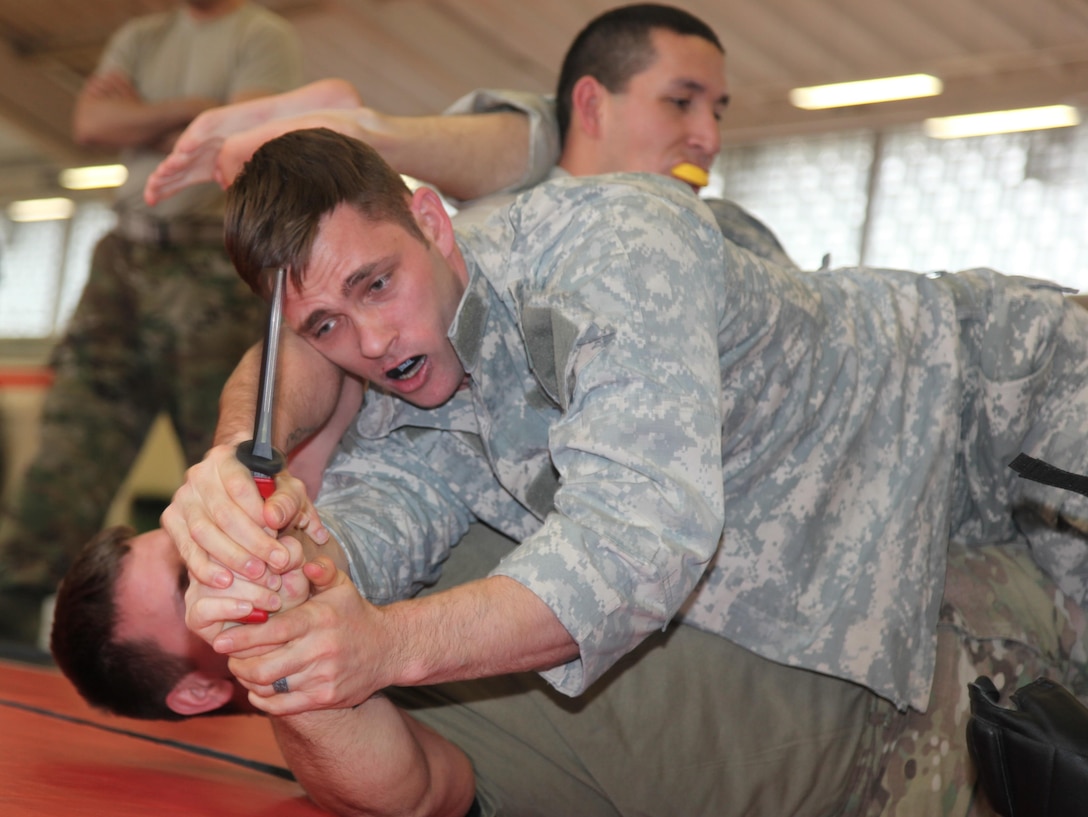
(466, 333)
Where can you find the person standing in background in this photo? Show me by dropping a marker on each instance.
(163, 318)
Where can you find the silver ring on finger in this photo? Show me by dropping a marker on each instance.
(279, 686)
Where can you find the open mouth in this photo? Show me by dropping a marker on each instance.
(407, 368)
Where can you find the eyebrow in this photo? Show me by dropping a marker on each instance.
(315, 318)
(698, 87)
(363, 273)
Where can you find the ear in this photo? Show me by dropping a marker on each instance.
(586, 100)
(433, 220)
(197, 693)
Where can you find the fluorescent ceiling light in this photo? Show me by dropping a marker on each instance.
(41, 209)
(980, 124)
(865, 92)
(94, 177)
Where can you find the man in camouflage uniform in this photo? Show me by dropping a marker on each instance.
(163, 319)
(607, 400)
(1002, 600)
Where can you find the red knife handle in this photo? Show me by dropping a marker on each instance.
(265, 484)
(256, 617)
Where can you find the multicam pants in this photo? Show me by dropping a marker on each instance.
(158, 329)
(1002, 618)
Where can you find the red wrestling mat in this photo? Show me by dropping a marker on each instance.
(60, 757)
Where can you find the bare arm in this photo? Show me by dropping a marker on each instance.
(373, 759)
(307, 392)
(338, 649)
(310, 457)
(110, 113)
(195, 157)
(368, 759)
(464, 156)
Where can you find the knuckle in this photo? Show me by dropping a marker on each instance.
(199, 529)
(219, 517)
(167, 517)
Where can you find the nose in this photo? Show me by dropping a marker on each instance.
(705, 132)
(375, 338)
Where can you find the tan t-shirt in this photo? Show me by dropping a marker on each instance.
(170, 55)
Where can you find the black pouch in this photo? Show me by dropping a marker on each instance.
(1032, 760)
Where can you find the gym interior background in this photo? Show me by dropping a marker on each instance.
(858, 185)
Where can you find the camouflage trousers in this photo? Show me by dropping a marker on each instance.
(1000, 617)
(157, 329)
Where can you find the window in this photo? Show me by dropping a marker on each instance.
(43, 267)
(1015, 202)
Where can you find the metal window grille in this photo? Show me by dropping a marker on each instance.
(1014, 202)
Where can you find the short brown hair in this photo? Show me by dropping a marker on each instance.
(275, 206)
(126, 678)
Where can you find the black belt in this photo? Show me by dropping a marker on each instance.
(1039, 471)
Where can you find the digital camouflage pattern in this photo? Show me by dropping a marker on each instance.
(156, 330)
(745, 230)
(618, 380)
(933, 741)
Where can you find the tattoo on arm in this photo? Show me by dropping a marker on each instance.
(299, 436)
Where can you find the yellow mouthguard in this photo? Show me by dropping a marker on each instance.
(692, 174)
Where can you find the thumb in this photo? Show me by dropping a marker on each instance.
(323, 574)
(277, 511)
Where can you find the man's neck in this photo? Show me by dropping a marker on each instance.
(583, 156)
(574, 163)
(204, 10)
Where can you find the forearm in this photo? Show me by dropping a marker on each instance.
(122, 123)
(310, 458)
(308, 389)
(338, 649)
(493, 626)
(260, 115)
(463, 156)
(375, 760)
(217, 518)
(319, 95)
(355, 756)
